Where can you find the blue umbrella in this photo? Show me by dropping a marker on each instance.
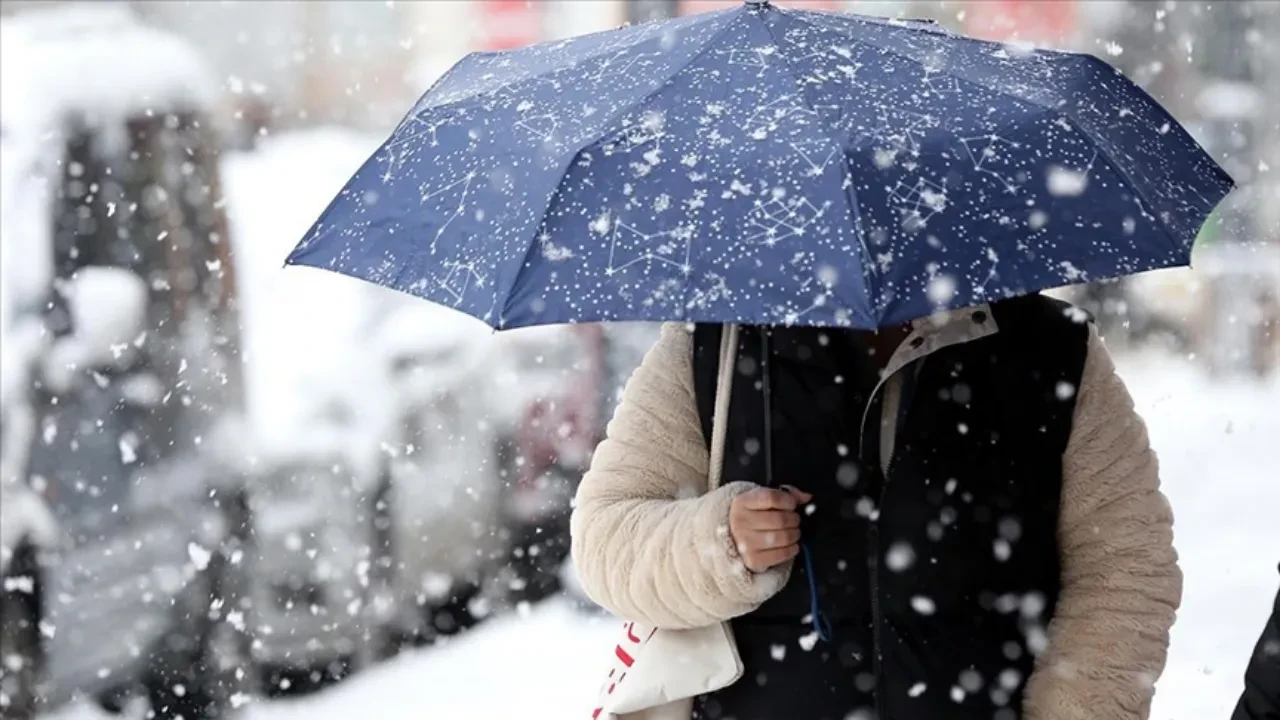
(765, 166)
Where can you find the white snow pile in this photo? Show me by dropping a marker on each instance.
(93, 59)
(26, 258)
(109, 313)
(317, 374)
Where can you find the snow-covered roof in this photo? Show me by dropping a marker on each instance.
(94, 59)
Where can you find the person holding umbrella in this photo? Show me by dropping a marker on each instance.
(867, 471)
(971, 526)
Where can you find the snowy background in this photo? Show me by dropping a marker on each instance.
(297, 96)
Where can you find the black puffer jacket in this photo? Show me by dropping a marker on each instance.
(939, 578)
(1261, 698)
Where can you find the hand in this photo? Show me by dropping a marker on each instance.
(765, 526)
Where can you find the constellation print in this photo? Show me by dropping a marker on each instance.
(980, 290)
(752, 58)
(766, 118)
(639, 134)
(396, 150)
(817, 153)
(441, 197)
(395, 160)
(986, 151)
(833, 113)
(940, 84)
(774, 220)
(619, 64)
(542, 127)
(1106, 108)
(1065, 181)
(717, 291)
(902, 136)
(420, 129)
(629, 246)
(462, 276)
(791, 317)
(918, 203)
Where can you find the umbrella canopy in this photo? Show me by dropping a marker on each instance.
(767, 166)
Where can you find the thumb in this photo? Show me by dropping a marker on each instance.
(800, 495)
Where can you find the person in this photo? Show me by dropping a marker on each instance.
(957, 518)
(1261, 697)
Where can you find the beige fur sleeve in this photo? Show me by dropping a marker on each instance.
(650, 543)
(1121, 582)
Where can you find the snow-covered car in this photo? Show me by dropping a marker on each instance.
(312, 533)
(412, 381)
(557, 389)
(442, 551)
(313, 458)
(117, 286)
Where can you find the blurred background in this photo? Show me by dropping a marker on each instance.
(235, 491)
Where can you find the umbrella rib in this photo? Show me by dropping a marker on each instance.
(733, 16)
(850, 206)
(946, 71)
(1069, 117)
(1137, 189)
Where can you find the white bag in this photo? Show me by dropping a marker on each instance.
(655, 674)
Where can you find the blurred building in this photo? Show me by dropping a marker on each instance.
(360, 63)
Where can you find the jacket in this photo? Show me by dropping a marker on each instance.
(1261, 698)
(651, 541)
(932, 562)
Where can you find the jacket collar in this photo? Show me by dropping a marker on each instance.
(928, 335)
(935, 332)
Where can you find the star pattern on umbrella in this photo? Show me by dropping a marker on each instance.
(990, 155)
(631, 166)
(629, 246)
(448, 202)
(918, 202)
(774, 220)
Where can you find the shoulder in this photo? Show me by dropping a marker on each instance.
(1042, 315)
(1046, 327)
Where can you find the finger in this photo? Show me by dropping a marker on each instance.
(773, 539)
(771, 520)
(768, 499)
(801, 496)
(766, 559)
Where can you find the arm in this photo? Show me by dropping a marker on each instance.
(649, 542)
(1120, 579)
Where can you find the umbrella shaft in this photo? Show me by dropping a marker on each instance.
(768, 406)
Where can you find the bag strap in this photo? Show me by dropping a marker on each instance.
(720, 418)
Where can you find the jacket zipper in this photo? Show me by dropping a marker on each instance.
(876, 618)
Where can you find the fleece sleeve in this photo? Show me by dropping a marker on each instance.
(1121, 585)
(650, 543)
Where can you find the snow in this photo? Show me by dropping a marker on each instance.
(95, 59)
(46, 56)
(26, 265)
(301, 325)
(1213, 441)
(109, 311)
(23, 516)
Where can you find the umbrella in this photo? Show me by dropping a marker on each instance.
(767, 166)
